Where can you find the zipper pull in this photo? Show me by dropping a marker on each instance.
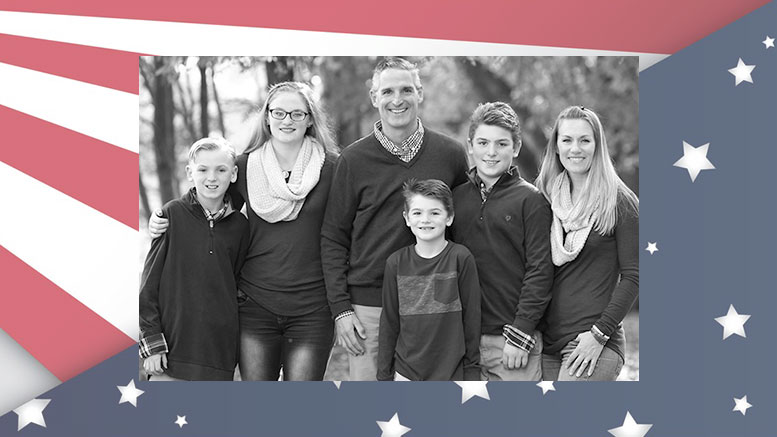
(210, 249)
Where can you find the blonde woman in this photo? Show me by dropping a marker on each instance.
(594, 245)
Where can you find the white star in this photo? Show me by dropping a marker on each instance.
(694, 159)
(546, 386)
(630, 428)
(32, 412)
(337, 383)
(129, 393)
(473, 388)
(741, 405)
(742, 72)
(768, 42)
(733, 323)
(181, 421)
(652, 248)
(392, 428)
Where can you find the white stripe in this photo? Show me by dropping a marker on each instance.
(166, 38)
(99, 112)
(86, 253)
(22, 377)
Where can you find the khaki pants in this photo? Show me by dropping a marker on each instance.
(365, 366)
(492, 369)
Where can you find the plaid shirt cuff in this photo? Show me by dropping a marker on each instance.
(152, 345)
(518, 338)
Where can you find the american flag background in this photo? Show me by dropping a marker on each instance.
(68, 229)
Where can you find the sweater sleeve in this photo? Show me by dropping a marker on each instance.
(625, 293)
(461, 165)
(148, 302)
(469, 289)
(389, 322)
(336, 237)
(245, 241)
(538, 277)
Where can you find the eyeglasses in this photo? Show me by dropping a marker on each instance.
(280, 114)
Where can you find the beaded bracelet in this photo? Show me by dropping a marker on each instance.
(344, 314)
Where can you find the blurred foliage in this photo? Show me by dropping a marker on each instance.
(225, 104)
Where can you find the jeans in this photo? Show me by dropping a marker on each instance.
(608, 367)
(298, 344)
(492, 369)
(365, 366)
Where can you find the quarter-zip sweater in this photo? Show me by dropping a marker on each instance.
(188, 290)
(508, 234)
(363, 223)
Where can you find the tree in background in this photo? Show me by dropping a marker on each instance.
(191, 97)
(158, 77)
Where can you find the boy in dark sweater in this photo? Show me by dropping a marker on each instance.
(505, 222)
(430, 323)
(188, 294)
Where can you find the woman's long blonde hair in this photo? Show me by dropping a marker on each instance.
(319, 129)
(603, 186)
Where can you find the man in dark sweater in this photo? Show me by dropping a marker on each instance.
(363, 223)
(505, 222)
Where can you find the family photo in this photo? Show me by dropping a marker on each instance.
(389, 218)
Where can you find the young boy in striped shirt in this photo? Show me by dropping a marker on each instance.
(430, 323)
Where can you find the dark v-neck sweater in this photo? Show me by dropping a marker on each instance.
(363, 223)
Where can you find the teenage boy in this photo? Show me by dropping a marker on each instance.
(361, 226)
(430, 323)
(188, 291)
(505, 222)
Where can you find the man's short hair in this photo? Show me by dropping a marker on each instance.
(496, 114)
(393, 63)
(432, 188)
(212, 144)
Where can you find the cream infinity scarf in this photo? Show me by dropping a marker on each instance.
(564, 250)
(271, 197)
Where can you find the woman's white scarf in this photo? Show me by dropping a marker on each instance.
(565, 249)
(270, 196)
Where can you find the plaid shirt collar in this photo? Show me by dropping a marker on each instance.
(408, 149)
(218, 215)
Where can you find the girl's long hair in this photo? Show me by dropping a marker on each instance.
(319, 129)
(603, 187)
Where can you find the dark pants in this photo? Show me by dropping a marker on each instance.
(298, 344)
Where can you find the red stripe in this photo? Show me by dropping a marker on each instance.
(96, 173)
(108, 68)
(658, 26)
(60, 332)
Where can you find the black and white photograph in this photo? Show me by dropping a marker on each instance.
(389, 218)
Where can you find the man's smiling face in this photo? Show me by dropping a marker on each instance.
(397, 98)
